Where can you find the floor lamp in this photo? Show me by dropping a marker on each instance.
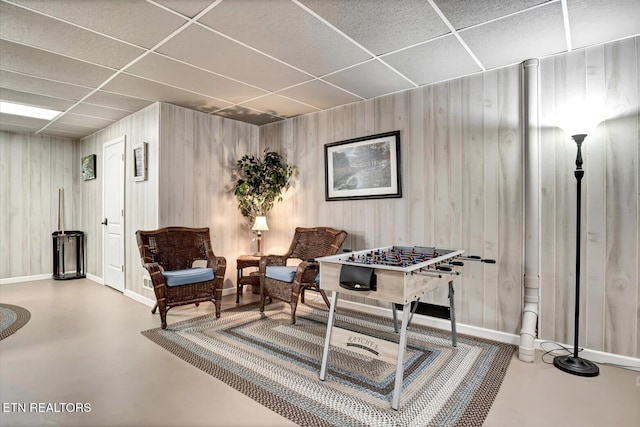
(574, 364)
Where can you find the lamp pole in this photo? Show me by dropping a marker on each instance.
(574, 364)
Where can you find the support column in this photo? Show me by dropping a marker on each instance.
(532, 250)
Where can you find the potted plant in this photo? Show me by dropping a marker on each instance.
(260, 183)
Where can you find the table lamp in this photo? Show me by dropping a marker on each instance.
(260, 225)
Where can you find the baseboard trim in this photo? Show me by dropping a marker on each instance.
(139, 298)
(44, 277)
(25, 279)
(503, 337)
(96, 279)
(593, 355)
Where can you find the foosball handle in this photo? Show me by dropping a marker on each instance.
(477, 258)
(443, 268)
(457, 263)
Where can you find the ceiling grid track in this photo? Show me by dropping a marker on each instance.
(121, 70)
(266, 61)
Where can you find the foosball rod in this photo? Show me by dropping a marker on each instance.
(477, 258)
(435, 271)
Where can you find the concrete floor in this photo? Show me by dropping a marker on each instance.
(83, 345)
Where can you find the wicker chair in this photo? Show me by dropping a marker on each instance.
(168, 255)
(286, 283)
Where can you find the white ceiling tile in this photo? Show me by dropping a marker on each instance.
(135, 21)
(464, 13)
(188, 8)
(52, 35)
(29, 84)
(70, 128)
(207, 50)
(91, 110)
(34, 100)
(18, 128)
(533, 34)
(383, 26)
(146, 89)
(73, 134)
(279, 106)
(84, 121)
(320, 94)
(369, 80)
(438, 60)
(114, 100)
(169, 71)
(595, 21)
(23, 121)
(38, 63)
(282, 29)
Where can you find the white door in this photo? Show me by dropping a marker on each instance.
(113, 209)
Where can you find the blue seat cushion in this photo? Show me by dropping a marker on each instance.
(188, 276)
(283, 273)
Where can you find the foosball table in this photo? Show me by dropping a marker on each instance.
(400, 275)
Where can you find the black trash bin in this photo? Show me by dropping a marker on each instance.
(68, 255)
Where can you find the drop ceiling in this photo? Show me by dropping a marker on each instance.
(261, 61)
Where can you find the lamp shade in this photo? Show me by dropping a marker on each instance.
(260, 224)
(580, 117)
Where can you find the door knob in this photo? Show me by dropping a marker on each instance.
(104, 222)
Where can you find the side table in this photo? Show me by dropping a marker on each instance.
(246, 261)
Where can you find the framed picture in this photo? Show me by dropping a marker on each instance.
(140, 162)
(89, 167)
(363, 168)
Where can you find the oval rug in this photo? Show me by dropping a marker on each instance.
(12, 318)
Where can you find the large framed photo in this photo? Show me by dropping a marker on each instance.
(363, 168)
(140, 162)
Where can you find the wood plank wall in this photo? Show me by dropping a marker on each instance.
(607, 76)
(141, 198)
(32, 169)
(197, 159)
(462, 184)
(191, 156)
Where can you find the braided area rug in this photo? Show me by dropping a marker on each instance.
(12, 318)
(278, 364)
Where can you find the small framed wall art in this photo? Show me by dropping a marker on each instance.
(140, 162)
(89, 167)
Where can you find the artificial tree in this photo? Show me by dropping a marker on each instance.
(260, 183)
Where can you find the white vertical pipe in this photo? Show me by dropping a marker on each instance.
(530, 309)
